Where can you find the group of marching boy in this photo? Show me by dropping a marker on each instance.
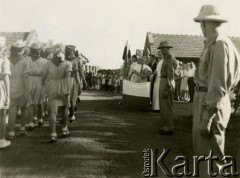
(37, 82)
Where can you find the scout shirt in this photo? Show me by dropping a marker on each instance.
(218, 69)
(168, 68)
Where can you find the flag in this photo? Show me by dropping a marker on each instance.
(148, 52)
(136, 95)
(129, 53)
(124, 57)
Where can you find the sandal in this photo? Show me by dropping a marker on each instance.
(65, 133)
(73, 118)
(23, 133)
(53, 139)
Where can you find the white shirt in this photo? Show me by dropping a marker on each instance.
(138, 67)
(191, 72)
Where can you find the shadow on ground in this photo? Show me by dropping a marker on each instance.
(106, 141)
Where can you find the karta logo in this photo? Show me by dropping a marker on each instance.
(153, 162)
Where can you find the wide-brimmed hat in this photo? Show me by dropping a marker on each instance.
(209, 13)
(19, 44)
(164, 44)
(70, 47)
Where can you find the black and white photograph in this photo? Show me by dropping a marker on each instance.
(119, 88)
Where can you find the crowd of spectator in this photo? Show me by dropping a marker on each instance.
(105, 80)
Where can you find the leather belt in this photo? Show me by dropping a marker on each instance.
(201, 89)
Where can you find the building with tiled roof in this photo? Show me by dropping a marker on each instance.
(12, 37)
(185, 47)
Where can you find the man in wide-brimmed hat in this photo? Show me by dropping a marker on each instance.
(216, 74)
(166, 88)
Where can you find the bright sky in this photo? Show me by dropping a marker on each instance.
(100, 28)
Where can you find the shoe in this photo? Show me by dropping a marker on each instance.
(165, 132)
(46, 114)
(34, 120)
(11, 137)
(53, 139)
(73, 118)
(40, 123)
(4, 143)
(65, 133)
(23, 133)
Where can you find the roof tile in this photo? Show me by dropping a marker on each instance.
(185, 45)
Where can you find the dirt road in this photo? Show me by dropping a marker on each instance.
(106, 140)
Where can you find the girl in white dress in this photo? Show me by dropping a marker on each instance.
(184, 85)
(4, 95)
(57, 89)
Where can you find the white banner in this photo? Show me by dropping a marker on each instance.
(136, 89)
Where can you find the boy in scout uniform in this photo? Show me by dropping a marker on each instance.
(216, 74)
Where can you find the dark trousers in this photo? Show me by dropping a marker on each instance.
(177, 88)
(166, 105)
(191, 86)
